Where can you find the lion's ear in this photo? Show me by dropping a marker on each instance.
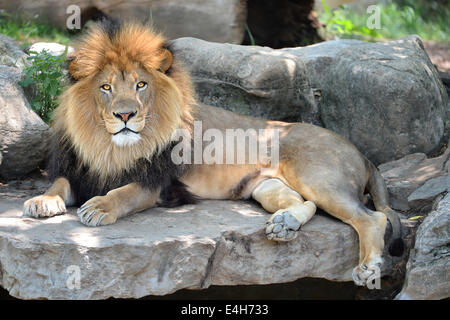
(166, 61)
(73, 67)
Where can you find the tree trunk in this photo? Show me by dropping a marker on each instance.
(283, 23)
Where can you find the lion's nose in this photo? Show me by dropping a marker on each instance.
(124, 116)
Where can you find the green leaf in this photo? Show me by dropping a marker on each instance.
(45, 71)
(26, 82)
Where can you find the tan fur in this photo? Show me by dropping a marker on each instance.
(51, 203)
(104, 210)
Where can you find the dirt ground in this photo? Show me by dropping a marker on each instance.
(439, 54)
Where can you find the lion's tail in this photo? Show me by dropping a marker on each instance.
(378, 191)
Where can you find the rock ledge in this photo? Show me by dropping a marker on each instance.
(160, 251)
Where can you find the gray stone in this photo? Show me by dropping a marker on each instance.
(405, 175)
(161, 250)
(428, 268)
(250, 80)
(424, 196)
(318, 58)
(374, 94)
(55, 49)
(379, 94)
(10, 53)
(213, 20)
(23, 134)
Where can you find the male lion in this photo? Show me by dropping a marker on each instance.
(112, 145)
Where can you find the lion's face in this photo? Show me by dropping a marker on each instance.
(126, 100)
(123, 99)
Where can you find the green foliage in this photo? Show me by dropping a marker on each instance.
(426, 19)
(45, 72)
(150, 17)
(28, 30)
(338, 22)
(250, 35)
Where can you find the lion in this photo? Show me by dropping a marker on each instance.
(112, 150)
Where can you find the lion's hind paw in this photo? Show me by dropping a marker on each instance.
(282, 226)
(365, 274)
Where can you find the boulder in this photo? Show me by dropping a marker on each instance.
(428, 268)
(318, 58)
(23, 135)
(160, 251)
(379, 94)
(55, 49)
(10, 53)
(213, 20)
(374, 94)
(407, 174)
(250, 80)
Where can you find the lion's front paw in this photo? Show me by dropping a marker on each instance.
(365, 274)
(96, 212)
(282, 226)
(44, 206)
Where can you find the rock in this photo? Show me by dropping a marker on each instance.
(23, 134)
(405, 175)
(424, 196)
(213, 20)
(318, 58)
(55, 49)
(428, 268)
(162, 250)
(378, 95)
(10, 53)
(250, 80)
(375, 94)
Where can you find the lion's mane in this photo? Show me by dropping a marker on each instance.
(82, 151)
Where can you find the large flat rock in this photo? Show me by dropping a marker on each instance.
(161, 250)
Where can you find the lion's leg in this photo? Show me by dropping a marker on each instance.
(336, 186)
(103, 210)
(289, 209)
(370, 226)
(53, 202)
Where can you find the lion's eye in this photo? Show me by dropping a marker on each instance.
(106, 87)
(141, 84)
